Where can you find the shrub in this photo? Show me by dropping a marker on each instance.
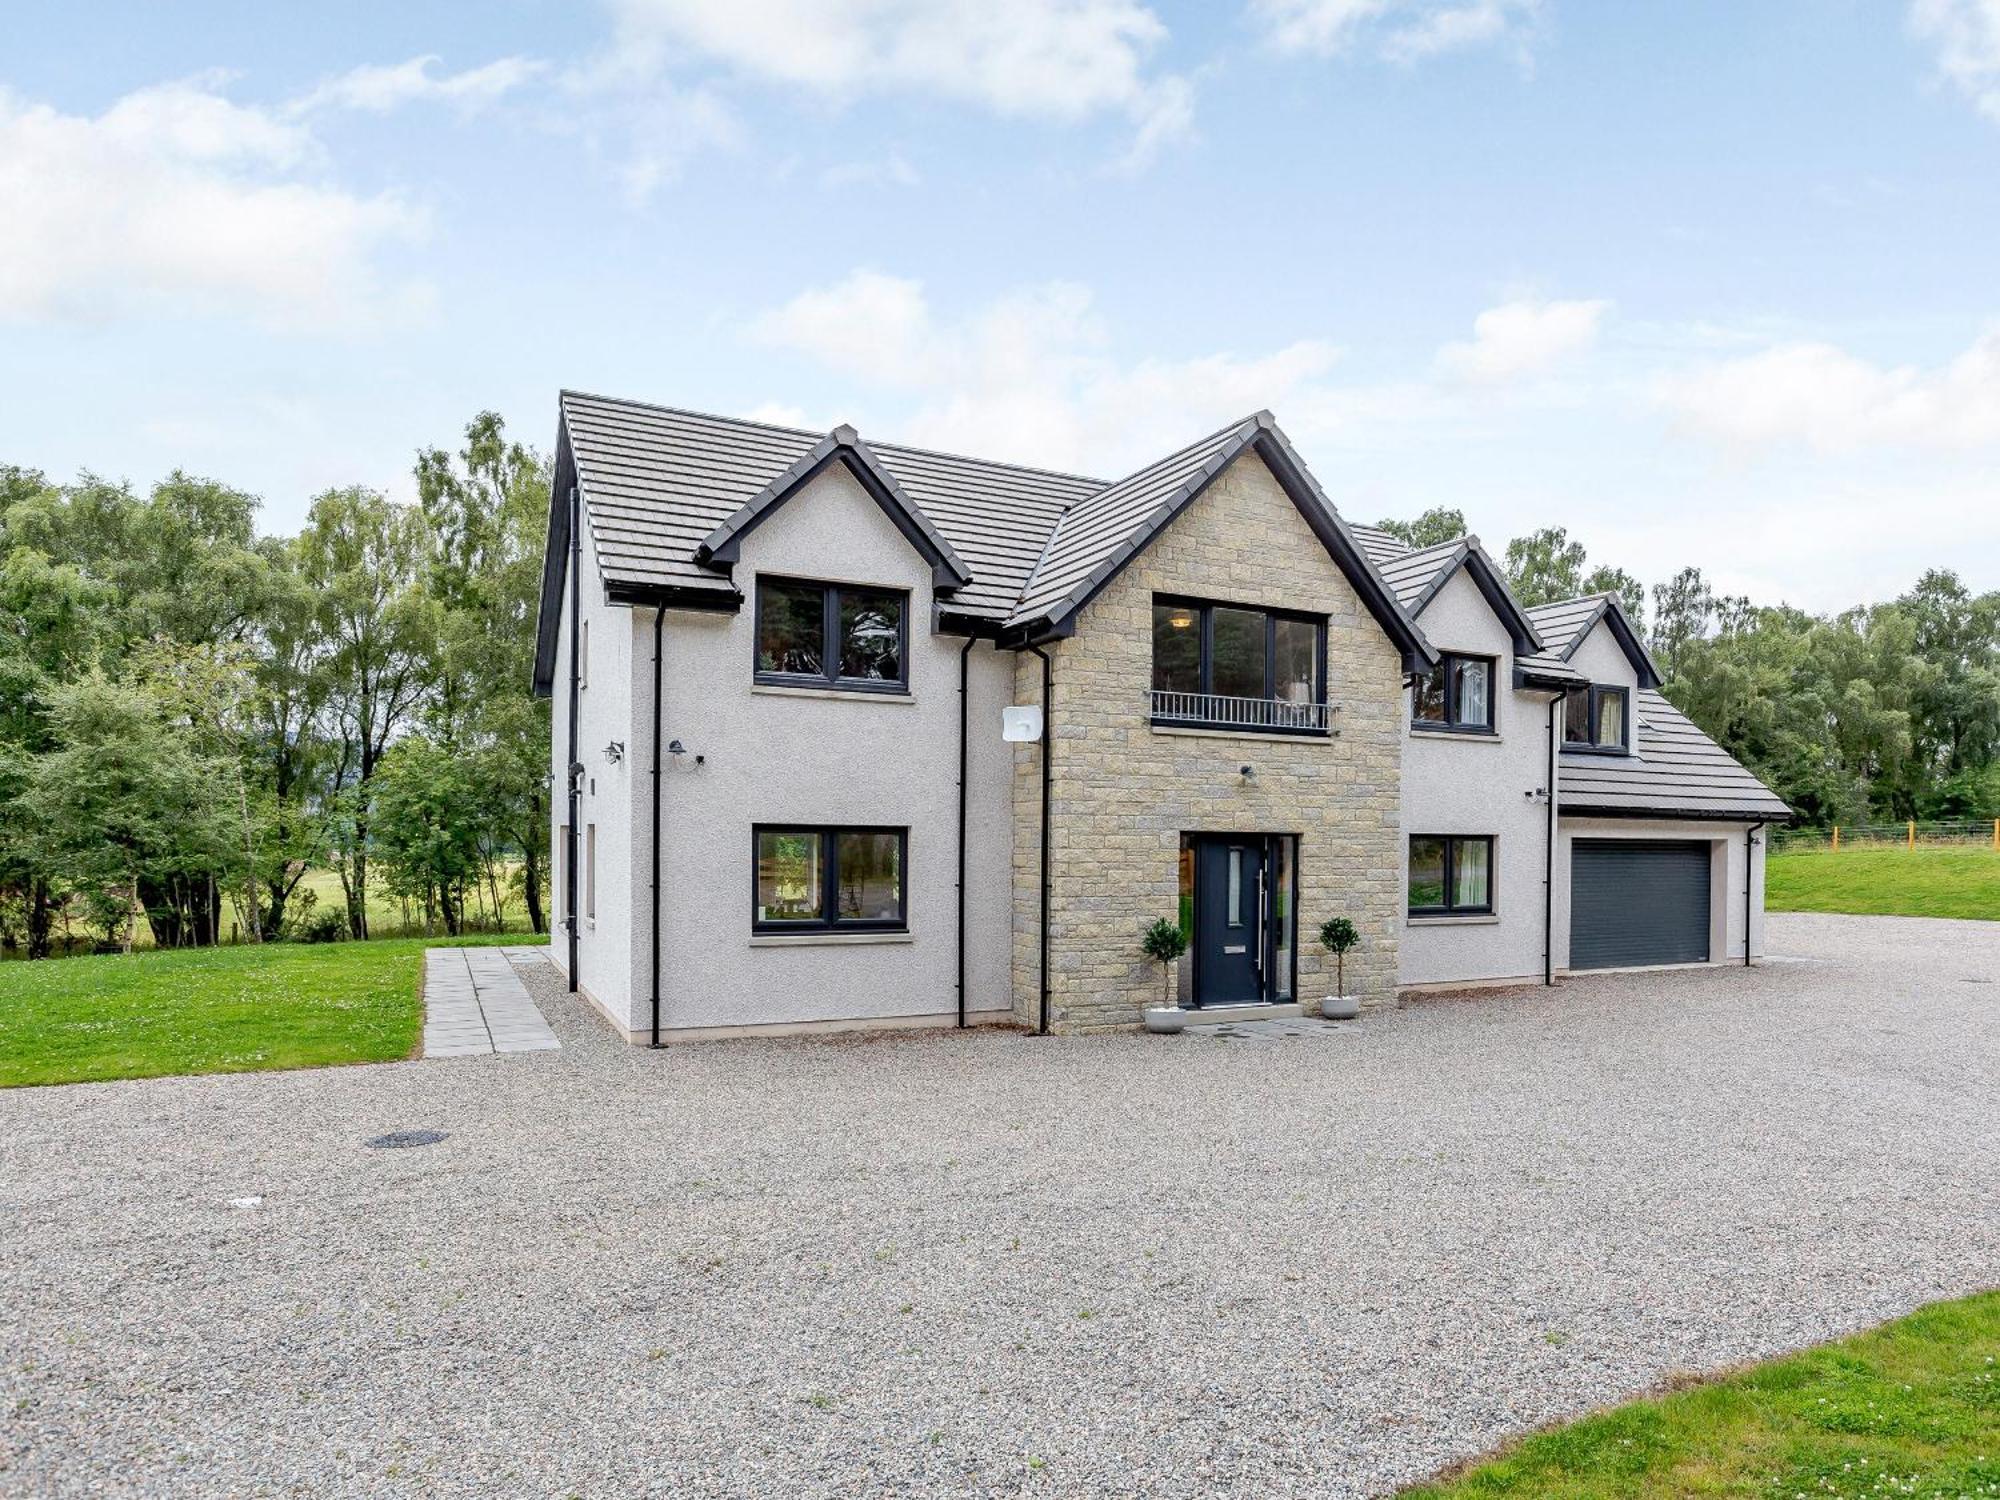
(1337, 935)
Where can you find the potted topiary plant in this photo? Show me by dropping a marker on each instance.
(1337, 935)
(1164, 943)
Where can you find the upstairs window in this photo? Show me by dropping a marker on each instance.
(1457, 694)
(832, 635)
(1598, 720)
(1231, 667)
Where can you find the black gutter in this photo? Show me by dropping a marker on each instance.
(964, 711)
(1549, 860)
(1048, 754)
(659, 631)
(1749, 883)
(575, 708)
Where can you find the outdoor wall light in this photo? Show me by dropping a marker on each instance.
(615, 751)
(675, 747)
(1248, 773)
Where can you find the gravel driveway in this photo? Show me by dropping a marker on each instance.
(991, 1263)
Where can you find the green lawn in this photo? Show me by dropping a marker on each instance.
(215, 1010)
(1917, 882)
(1911, 1409)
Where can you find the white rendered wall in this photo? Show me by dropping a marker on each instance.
(1479, 784)
(604, 959)
(773, 755)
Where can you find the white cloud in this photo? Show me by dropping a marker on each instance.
(1061, 60)
(1966, 34)
(1403, 31)
(177, 200)
(1523, 337)
(380, 88)
(1824, 398)
(1027, 378)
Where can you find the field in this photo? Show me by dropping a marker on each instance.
(1920, 882)
(213, 1010)
(1912, 1408)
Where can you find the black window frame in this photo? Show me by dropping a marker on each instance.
(1453, 663)
(830, 919)
(830, 653)
(1205, 626)
(1598, 692)
(1451, 841)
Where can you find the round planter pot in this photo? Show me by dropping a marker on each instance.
(1340, 1007)
(1165, 1019)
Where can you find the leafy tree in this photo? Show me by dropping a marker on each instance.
(1436, 525)
(1545, 566)
(429, 810)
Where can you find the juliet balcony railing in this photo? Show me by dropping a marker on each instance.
(1257, 715)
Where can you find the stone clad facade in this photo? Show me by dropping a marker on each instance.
(1124, 791)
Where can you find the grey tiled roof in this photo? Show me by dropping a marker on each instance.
(1412, 573)
(1563, 624)
(656, 482)
(1099, 532)
(1381, 547)
(1537, 664)
(1674, 770)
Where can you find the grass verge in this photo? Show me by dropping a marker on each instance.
(1888, 882)
(1909, 1409)
(210, 1010)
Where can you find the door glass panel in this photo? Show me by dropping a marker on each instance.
(1576, 718)
(1284, 920)
(871, 884)
(788, 888)
(1611, 719)
(1235, 887)
(1472, 875)
(1176, 648)
(1426, 873)
(1475, 694)
(791, 628)
(1238, 667)
(1187, 890)
(871, 635)
(1297, 660)
(1430, 708)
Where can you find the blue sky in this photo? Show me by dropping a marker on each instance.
(1706, 283)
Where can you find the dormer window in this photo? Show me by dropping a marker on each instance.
(832, 635)
(1599, 720)
(1456, 695)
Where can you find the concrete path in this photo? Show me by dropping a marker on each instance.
(475, 1003)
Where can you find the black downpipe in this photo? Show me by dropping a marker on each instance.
(575, 768)
(1549, 856)
(1048, 754)
(964, 717)
(659, 630)
(1749, 884)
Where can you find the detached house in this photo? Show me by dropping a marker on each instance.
(851, 734)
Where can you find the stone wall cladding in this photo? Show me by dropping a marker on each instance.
(1124, 792)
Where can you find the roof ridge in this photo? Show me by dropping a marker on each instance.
(1227, 429)
(808, 432)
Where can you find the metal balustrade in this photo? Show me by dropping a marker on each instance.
(1219, 711)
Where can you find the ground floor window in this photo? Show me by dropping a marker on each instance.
(1451, 875)
(812, 878)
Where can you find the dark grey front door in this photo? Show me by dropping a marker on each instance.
(1228, 921)
(1638, 901)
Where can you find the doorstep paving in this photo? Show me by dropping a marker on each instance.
(475, 1003)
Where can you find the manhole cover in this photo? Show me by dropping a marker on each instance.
(396, 1140)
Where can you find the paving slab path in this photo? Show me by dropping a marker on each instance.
(475, 1003)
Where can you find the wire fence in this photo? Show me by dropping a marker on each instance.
(1964, 833)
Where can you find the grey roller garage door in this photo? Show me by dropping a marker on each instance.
(1637, 901)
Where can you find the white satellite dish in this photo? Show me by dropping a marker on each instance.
(1021, 725)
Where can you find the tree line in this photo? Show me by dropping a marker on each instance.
(1879, 711)
(194, 717)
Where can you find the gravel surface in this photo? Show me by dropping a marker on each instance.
(994, 1264)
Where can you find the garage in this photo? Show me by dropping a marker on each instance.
(1638, 901)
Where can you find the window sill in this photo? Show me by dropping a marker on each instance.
(1439, 732)
(1610, 750)
(825, 939)
(848, 695)
(1479, 919)
(1239, 732)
